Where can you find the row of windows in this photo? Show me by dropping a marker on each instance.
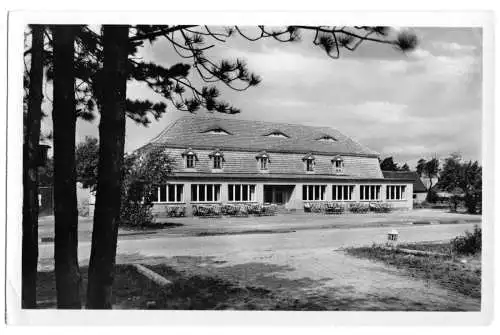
(204, 193)
(369, 192)
(395, 192)
(246, 192)
(342, 192)
(313, 192)
(345, 192)
(240, 192)
(217, 162)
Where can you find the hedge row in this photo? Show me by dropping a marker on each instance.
(234, 209)
(339, 208)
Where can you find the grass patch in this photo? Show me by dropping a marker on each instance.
(441, 248)
(151, 227)
(449, 272)
(244, 232)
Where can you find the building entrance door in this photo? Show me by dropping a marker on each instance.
(278, 194)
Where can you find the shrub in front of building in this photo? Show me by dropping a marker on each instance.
(334, 208)
(380, 207)
(359, 207)
(207, 210)
(175, 211)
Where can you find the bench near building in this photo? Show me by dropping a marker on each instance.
(232, 161)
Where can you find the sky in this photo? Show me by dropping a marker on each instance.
(407, 105)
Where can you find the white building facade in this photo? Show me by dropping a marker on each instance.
(232, 161)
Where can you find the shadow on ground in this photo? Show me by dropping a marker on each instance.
(205, 283)
(208, 283)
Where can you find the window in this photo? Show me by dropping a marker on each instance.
(205, 192)
(338, 165)
(309, 164)
(369, 192)
(327, 139)
(216, 131)
(169, 193)
(217, 162)
(190, 161)
(342, 192)
(217, 158)
(277, 133)
(313, 192)
(190, 158)
(395, 192)
(240, 192)
(262, 161)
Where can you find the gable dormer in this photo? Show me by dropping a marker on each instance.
(309, 162)
(263, 161)
(217, 159)
(338, 164)
(190, 158)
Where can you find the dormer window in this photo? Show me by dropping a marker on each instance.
(216, 131)
(263, 161)
(190, 158)
(190, 161)
(217, 158)
(217, 162)
(327, 139)
(309, 162)
(278, 134)
(338, 165)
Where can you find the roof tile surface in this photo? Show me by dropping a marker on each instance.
(190, 131)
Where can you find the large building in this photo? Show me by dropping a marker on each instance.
(238, 161)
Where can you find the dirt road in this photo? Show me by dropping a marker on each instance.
(305, 263)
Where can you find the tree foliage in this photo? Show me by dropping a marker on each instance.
(87, 159)
(192, 44)
(429, 169)
(388, 164)
(463, 179)
(142, 174)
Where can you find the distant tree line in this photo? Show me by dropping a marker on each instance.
(388, 164)
(462, 179)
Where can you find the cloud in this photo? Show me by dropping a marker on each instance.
(405, 105)
(453, 47)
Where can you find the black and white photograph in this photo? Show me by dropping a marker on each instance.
(250, 167)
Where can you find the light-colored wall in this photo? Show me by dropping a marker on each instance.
(295, 201)
(281, 163)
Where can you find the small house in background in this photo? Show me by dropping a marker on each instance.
(419, 189)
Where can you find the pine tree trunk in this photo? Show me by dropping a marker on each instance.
(68, 279)
(30, 173)
(111, 150)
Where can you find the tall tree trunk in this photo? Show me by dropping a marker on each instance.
(68, 279)
(111, 149)
(30, 173)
